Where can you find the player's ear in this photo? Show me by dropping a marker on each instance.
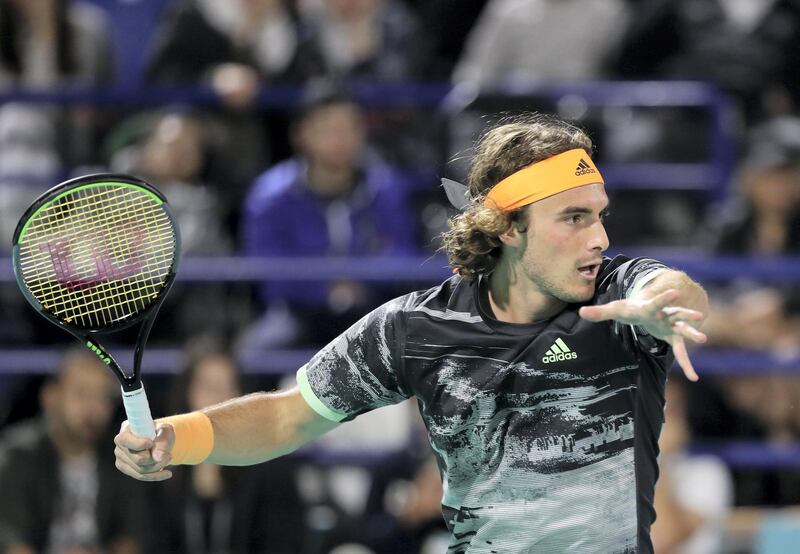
(511, 237)
(514, 235)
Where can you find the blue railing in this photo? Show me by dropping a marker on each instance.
(607, 93)
(420, 271)
(751, 454)
(710, 362)
(435, 268)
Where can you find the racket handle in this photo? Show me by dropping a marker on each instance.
(138, 410)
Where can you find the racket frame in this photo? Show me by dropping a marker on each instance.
(132, 382)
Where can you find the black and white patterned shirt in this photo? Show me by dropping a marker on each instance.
(546, 434)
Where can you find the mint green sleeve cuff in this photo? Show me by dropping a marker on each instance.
(311, 398)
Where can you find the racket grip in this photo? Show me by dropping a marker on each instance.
(138, 410)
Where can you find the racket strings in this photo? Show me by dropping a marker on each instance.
(110, 299)
(84, 222)
(98, 255)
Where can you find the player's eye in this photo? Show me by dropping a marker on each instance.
(574, 219)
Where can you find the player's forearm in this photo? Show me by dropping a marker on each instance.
(262, 426)
(691, 294)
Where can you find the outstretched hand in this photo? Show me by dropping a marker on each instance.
(657, 316)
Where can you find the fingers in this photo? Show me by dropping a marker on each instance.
(685, 330)
(132, 442)
(165, 440)
(631, 311)
(142, 458)
(682, 357)
(673, 314)
(602, 312)
(129, 464)
(663, 299)
(148, 477)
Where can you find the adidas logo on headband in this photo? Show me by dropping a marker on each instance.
(583, 168)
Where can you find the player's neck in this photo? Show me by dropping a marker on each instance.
(514, 298)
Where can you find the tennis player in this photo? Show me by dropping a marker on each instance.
(539, 367)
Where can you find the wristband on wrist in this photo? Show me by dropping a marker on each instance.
(194, 438)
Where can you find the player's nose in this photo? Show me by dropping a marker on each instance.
(599, 238)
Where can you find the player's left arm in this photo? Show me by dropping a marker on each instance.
(670, 307)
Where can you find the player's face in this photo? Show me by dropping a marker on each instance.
(565, 242)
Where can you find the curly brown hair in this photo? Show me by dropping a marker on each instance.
(515, 142)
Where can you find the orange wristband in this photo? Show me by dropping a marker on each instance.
(194, 438)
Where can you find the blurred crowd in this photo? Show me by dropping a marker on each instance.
(330, 175)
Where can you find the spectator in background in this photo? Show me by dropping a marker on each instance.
(542, 40)
(745, 47)
(209, 509)
(334, 198)
(46, 44)
(236, 47)
(174, 156)
(60, 494)
(53, 42)
(403, 509)
(694, 493)
(172, 150)
(233, 45)
(446, 24)
(374, 40)
(765, 221)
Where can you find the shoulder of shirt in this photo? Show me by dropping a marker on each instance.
(453, 296)
(623, 270)
(608, 269)
(610, 266)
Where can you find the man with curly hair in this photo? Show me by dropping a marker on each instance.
(539, 368)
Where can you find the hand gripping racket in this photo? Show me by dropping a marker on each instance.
(98, 254)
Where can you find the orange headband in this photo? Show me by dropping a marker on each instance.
(568, 170)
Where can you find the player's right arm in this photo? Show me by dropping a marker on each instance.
(246, 430)
(355, 373)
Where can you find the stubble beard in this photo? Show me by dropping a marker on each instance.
(536, 274)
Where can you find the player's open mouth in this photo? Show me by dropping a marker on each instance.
(589, 271)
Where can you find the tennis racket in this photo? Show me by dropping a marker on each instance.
(98, 254)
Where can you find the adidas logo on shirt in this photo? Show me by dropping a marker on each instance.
(559, 352)
(583, 168)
